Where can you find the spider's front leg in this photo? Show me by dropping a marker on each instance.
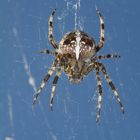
(110, 82)
(51, 38)
(99, 85)
(50, 72)
(53, 87)
(91, 67)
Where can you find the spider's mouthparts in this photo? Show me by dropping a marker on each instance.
(75, 79)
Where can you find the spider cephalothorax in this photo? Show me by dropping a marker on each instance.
(76, 57)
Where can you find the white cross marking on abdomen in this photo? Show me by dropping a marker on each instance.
(77, 48)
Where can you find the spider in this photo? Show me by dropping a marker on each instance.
(76, 57)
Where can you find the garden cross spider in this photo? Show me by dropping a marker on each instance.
(76, 56)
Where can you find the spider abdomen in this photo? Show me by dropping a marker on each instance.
(78, 44)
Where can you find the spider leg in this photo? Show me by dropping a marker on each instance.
(50, 72)
(46, 51)
(99, 84)
(54, 87)
(102, 34)
(51, 39)
(107, 56)
(103, 69)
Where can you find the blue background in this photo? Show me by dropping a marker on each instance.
(24, 31)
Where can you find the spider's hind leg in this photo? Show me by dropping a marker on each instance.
(107, 56)
(102, 34)
(51, 38)
(46, 51)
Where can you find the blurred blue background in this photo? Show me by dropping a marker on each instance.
(24, 31)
